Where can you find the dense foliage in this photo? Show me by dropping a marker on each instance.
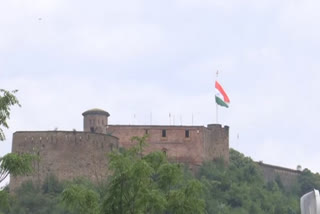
(240, 188)
(151, 184)
(14, 164)
(7, 100)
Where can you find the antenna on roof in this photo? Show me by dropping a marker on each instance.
(192, 119)
(134, 119)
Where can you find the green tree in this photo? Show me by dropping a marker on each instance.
(308, 181)
(187, 199)
(138, 184)
(80, 199)
(239, 188)
(7, 99)
(13, 164)
(149, 184)
(131, 188)
(4, 201)
(30, 199)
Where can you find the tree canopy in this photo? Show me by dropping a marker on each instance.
(14, 164)
(7, 100)
(150, 184)
(141, 184)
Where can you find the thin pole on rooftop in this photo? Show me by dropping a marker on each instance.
(216, 102)
(192, 119)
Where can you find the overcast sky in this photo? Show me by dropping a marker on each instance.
(159, 57)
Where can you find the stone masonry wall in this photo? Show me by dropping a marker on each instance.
(203, 144)
(177, 146)
(288, 177)
(65, 154)
(216, 142)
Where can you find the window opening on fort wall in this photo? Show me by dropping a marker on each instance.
(92, 129)
(187, 134)
(164, 133)
(147, 131)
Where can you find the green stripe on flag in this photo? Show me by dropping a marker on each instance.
(220, 102)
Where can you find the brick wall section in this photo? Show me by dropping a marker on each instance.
(216, 142)
(203, 143)
(289, 177)
(64, 154)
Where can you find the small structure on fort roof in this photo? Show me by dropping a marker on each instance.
(95, 121)
(70, 154)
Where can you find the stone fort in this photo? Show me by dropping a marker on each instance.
(71, 154)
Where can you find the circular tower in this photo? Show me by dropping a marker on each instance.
(95, 120)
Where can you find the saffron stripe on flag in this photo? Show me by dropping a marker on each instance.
(224, 94)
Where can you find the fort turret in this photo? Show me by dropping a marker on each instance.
(95, 121)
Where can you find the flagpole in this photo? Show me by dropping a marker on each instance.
(216, 102)
(217, 113)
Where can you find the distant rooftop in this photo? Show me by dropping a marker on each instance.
(96, 111)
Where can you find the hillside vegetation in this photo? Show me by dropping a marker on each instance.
(151, 184)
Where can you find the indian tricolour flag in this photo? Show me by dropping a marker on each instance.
(222, 98)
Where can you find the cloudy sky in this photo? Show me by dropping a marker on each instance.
(159, 57)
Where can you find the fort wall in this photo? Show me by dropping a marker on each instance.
(65, 154)
(186, 144)
(288, 177)
(216, 142)
(170, 139)
(83, 154)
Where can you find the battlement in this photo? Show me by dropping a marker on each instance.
(59, 136)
